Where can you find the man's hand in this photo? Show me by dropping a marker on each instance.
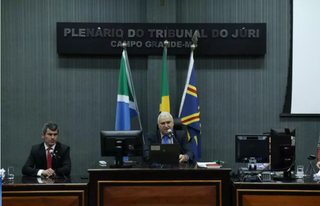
(318, 164)
(183, 158)
(48, 173)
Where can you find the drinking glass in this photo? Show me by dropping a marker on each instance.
(10, 173)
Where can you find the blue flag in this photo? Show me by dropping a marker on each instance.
(126, 104)
(190, 110)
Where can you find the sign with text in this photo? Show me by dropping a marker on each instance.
(148, 38)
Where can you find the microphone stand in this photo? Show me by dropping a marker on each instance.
(53, 154)
(171, 135)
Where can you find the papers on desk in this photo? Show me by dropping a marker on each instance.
(316, 176)
(209, 165)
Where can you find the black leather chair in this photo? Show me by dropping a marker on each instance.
(178, 125)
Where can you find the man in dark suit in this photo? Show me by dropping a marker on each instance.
(50, 158)
(161, 136)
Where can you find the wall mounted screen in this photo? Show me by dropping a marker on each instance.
(305, 57)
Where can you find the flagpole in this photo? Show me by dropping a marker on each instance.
(131, 86)
(164, 89)
(189, 109)
(194, 45)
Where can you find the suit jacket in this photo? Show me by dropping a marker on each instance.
(37, 159)
(180, 138)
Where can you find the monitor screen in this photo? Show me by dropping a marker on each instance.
(130, 142)
(252, 147)
(283, 150)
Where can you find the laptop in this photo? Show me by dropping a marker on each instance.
(164, 154)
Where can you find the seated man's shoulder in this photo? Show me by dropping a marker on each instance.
(63, 146)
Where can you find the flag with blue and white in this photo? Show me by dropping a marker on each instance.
(190, 110)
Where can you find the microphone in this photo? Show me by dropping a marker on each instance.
(54, 155)
(292, 165)
(171, 135)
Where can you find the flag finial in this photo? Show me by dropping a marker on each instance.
(124, 45)
(195, 37)
(166, 43)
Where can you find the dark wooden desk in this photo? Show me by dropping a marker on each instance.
(304, 192)
(158, 186)
(27, 191)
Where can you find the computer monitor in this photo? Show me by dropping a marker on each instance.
(121, 143)
(252, 148)
(283, 151)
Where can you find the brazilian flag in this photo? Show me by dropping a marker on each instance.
(164, 95)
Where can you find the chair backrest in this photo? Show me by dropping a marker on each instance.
(177, 124)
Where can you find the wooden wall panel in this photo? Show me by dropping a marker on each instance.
(43, 198)
(280, 200)
(40, 201)
(160, 195)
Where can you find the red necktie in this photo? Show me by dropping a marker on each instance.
(49, 158)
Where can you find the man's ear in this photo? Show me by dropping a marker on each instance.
(42, 136)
